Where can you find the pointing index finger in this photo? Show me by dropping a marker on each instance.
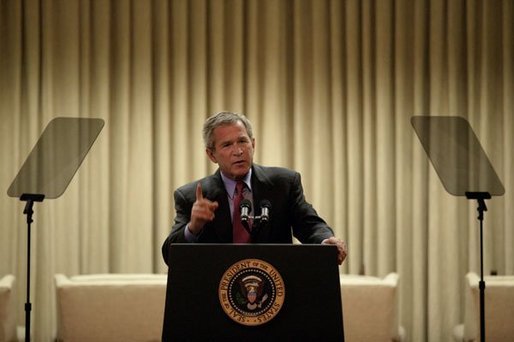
(199, 194)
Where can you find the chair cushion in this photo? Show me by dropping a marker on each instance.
(370, 307)
(7, 309)
(111, 307)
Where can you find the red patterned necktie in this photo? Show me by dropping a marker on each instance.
(239, 233)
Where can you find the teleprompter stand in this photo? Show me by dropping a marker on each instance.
(481, 197)
(48, 170)
(463, 168)
(29, 199)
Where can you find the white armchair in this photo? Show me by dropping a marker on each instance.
(110, 307)
(499, 309)
(370, 308)
(7, 308)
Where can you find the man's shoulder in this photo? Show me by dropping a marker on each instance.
(274, 172)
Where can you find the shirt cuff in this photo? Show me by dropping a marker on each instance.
(190, 237)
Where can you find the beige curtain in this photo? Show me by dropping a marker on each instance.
(330, 87)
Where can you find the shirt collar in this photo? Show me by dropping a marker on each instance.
(230, 184)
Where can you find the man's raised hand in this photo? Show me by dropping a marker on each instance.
(202, 212)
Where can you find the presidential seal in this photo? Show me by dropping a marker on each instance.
(251, 292)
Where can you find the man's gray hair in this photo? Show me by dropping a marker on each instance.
(223, 119)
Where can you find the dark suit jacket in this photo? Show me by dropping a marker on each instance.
(290, 214)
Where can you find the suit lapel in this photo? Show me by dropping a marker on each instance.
(262, 188)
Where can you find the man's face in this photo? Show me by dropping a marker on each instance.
(233, 150)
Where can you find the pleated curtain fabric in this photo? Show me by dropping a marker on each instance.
(330, 87)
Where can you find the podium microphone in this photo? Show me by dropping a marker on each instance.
(265, 210)
(245, 208)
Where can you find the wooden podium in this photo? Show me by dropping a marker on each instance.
(253, 292)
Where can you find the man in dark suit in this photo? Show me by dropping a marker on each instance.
(205, 208)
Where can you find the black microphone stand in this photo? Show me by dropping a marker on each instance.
(258, 222)
(30, 199)
(481, 197)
